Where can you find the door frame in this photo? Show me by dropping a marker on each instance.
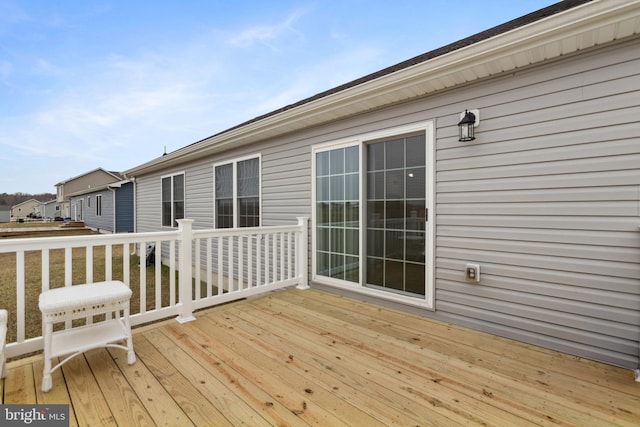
(428, 127)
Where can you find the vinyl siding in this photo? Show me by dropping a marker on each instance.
(546, 200)
(104, 222)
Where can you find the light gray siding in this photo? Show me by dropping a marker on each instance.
(286, 191)
(546, 200)
(103, 222)
(5, 213)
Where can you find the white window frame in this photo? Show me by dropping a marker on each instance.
(234, 162)
(361, 140)
(184, 200)
(99, 205)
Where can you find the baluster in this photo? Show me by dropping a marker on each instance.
(68, 277)
(88, 260)
(126, 267)
(209, 260)
(231, 262)
(142, 262)
(274, 260)
(20, 296)
(68, 266)
(267, 257)
(250, 242)
(197, 267)
(108, 262)
(240, 262)
(282, 258)
(289, 254)
(158, 267)
(89, 264)
(172, 273)
(45, 269)
(220, 241)
(259, 259)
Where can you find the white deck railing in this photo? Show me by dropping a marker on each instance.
(202, 268)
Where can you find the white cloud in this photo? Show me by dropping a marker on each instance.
(170, 95)
(266, 34)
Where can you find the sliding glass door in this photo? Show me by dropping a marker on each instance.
(371, 229)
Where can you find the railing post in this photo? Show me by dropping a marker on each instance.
(302, 252)
(185, 262)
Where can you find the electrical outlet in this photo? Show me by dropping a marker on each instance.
(472, 272)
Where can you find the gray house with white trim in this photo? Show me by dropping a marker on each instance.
(544, 203)
(85, 182)
(106, 208)
(48, 210)
(5, 213)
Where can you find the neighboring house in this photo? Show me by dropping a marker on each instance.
(544, 201)
(92, 179)
(25, 209)
(105, 208)
(5, 213)
(48, 210)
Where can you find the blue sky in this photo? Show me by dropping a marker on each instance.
(87, 84)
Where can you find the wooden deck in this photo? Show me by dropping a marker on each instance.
(308, 357)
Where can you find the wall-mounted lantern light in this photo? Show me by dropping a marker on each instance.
(469, 120)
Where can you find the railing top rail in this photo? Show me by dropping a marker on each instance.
(38, 243)
(244, 231)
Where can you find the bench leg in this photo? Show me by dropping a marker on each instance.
(131, 355)
(47, 383)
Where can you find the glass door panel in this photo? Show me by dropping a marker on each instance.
(396, 207)
(337, 214)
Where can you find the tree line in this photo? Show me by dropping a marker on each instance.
(15, 198)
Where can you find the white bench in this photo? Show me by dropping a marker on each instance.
(3, 342)
(79, 302)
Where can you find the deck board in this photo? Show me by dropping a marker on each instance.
(162, 407)
(312, 358)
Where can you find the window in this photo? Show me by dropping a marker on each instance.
(99, 205)
(370, 229)
(88, 201)
(237, 193)
(172, 199)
